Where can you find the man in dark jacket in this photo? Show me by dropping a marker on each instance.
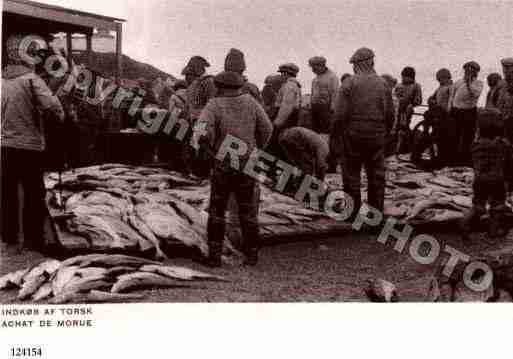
(364, 114)
(495, 83)
(493, 175)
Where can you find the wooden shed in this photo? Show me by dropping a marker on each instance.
(24, 16)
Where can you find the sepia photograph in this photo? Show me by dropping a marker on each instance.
(256, 152)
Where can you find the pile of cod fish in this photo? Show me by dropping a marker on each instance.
(138, 208)
(96, 278)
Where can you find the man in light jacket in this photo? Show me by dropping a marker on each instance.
(24, 94)
(463, 99)
(324, 91)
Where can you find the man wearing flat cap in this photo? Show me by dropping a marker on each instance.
(288, 100)
(324, 90)
(287, 105)
(232, 114)
(463, 99)
(363, 117)
(505, 100)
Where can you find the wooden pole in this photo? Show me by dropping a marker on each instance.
(119, 52)
(69, 45)
(89, 48)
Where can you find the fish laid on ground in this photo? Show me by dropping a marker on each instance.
(31, 286)
(463, 201)
(421, 206)
(36, 277)
(117, 260)
(167, 224)
(48, 266)
(114, 272)
(13, 279)
(395, 211)
(176, 272)
(44, 292)
(79, 260)
(105, 232)
(96, 230)
(142, 279)
(101, 296)
(91, 272)
(81, 285)
(63, 276)
(446, 215)
(445, 181)
(150, 241)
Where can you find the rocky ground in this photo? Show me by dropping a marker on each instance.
(333, 269)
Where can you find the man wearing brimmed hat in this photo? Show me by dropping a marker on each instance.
(505, 101)
(235, 62)
(201, 89)
(233, 115)
(463, 99)
(324, 90)
(363, 117)
(24, 94)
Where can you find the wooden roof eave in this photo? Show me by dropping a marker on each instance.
(81, 20)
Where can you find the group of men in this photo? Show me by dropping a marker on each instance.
(355, 116)
(350, 123)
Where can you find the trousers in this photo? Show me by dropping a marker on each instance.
(370, 154)
(465, 121)
(23, 196)
(224, 182)
(321, 118)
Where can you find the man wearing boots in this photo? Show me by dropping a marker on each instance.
(363, 117)
(493, 173)
(232, 114)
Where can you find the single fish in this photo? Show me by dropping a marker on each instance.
(116, 260)
(32, 285)
(142, 279)
(101, 296)
(151, 240)
(13, 279)
(176, 272)
(117, 271)
(91, 272)
(79, 260)
(49, 267)
(421, 206)
(72, 295)
(44, 292)
(63, 276)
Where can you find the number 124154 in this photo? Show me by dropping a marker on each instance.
(26, 352)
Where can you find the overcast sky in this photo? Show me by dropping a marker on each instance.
(427, 35)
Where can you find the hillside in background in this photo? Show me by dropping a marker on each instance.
(105, 63)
